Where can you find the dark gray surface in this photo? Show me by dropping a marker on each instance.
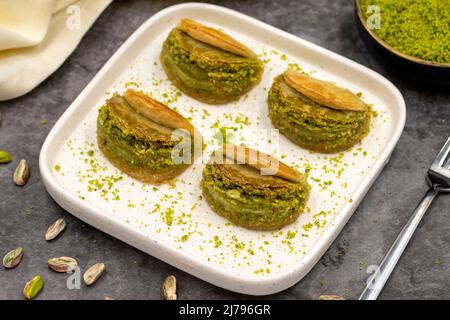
(25, 213)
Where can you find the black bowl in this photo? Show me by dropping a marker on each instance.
(406, 66)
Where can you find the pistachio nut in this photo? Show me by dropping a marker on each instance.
(22, 173)
(33, 287)
(62, 264)
(13, 258)
(169, 288)
(5, 157)
(93, 273)
(55, 229)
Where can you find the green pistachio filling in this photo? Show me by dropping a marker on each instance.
(208, 73)
(241, 194)
(312, 125)
(419, 28)
(134, 144)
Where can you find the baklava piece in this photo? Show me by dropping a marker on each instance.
(317, 115)
(209, 65)
(254, 190)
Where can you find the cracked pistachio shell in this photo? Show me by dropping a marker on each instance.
(323, 92)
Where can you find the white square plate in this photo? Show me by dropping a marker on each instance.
(173, 222)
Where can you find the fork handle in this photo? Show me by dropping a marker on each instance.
(378, 280)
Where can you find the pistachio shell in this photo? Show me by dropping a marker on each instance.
(156, 111)
(261, 161)
(214, 37)
(323, 92)
(169, 288)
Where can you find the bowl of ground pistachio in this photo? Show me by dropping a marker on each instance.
(413, 36)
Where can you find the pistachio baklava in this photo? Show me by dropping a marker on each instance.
(138, 135)
(317, 115)
(209, 65)
(252, 189)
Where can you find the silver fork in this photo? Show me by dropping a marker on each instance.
(439, 178)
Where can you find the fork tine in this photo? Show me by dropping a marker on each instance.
(442, 155)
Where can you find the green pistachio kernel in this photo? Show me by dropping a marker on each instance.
(5, 157)
(33, 287)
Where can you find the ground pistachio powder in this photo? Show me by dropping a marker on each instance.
(419, 28)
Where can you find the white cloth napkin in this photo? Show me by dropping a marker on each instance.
(37, 36)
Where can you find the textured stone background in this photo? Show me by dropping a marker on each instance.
(26, 212)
